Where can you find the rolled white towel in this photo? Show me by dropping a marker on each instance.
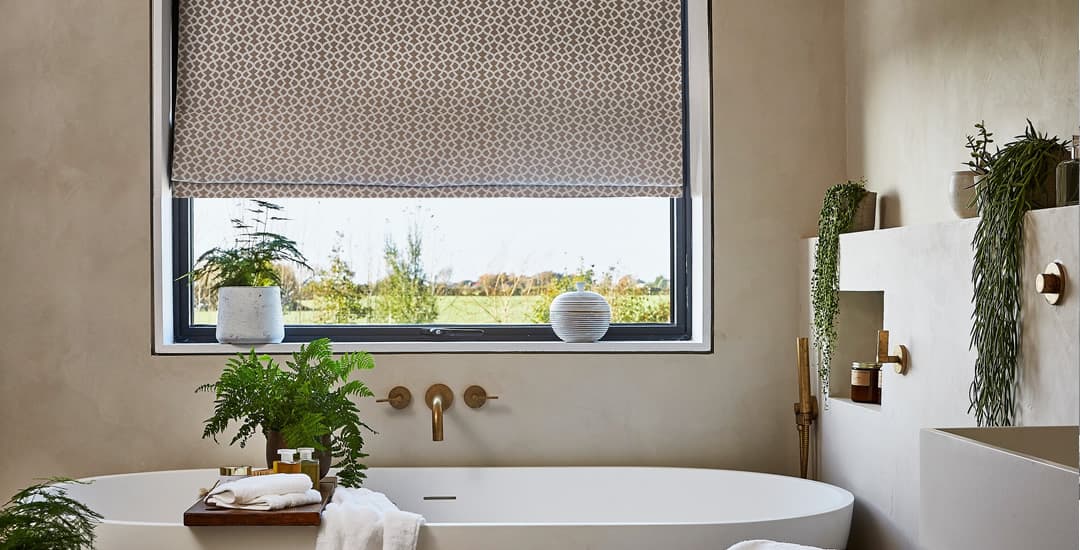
(770, 545)
(247, 490)
(272, 502)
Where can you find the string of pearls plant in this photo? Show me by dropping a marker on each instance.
(837, 213)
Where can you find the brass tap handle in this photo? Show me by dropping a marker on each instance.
(399, 397)
(476, 397)
(900, 360)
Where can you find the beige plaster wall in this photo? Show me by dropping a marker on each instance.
(80, 393)
(920, 73)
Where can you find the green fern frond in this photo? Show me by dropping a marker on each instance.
(311, 398)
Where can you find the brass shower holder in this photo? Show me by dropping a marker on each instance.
(900, 357)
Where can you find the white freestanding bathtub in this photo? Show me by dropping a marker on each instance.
(508, 508)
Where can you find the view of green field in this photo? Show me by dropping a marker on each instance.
(451, 310)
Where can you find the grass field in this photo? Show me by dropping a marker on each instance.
(453, 310)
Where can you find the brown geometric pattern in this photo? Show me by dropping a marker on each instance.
(428, 98)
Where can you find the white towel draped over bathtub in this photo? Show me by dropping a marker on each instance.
(770, 545)
(361, 519)
(272, 492)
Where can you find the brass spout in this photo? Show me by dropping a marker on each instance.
(438, 398)
(806, 408)
(436, 419)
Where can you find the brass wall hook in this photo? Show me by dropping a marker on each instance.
(900, 357)
(399, 397)
(1051, 283)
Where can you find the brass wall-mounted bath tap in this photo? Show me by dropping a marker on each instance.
(439, 397)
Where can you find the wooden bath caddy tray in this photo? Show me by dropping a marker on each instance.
(201, 515)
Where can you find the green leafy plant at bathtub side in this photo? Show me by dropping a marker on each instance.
(1015, 182)
(44, 517)
(311, 397)
(837, 214)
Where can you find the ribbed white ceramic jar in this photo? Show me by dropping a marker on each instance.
(580, 316)
(250, 315)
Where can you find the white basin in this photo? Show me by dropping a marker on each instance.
(998, 488)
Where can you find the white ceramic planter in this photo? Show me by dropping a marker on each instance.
(250, 315)
(580, 316)
(962, 194)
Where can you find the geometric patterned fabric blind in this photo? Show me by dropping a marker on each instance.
(428, 98)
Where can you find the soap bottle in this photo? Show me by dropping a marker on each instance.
(286, 465)
(1068, 177)
(309, 466)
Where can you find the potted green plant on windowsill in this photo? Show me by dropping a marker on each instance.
(245, 279)
(43, 516)
(309, 403)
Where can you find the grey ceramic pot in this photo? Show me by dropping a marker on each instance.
(275, 441)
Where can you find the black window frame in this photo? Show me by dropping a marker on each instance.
(680, 261)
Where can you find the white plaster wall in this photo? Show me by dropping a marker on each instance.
(920, 73)
(925, 273)
(80, 393)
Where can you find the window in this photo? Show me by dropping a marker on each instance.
(479, 269)
(455, 248)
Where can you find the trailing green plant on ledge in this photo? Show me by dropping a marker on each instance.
(310, 399)
(837, 213)
(1015, 183)
(44, 517)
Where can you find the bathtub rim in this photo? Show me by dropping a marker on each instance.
(848, 499)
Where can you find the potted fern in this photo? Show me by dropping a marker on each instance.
(43, 516)
(245, 279)
(309, 403)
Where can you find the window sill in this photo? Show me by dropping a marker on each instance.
(681, 346)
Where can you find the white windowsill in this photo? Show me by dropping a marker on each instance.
(679, 346)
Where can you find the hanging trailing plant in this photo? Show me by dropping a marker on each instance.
(837, 213)
(1015, 183)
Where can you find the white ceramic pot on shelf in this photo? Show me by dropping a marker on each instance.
(580, 316)
(250, 315)
(962, 194)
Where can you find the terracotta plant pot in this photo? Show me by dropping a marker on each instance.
(275, 441)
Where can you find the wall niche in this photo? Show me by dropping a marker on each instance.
(861, 316)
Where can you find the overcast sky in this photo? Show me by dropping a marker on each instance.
(468, 236)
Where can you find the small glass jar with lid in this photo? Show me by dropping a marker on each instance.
(866, 382)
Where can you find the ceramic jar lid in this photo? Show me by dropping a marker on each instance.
(580, 301)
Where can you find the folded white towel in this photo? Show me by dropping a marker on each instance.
(247, 490)
(271, 502)
(770, 545)
(361, 519)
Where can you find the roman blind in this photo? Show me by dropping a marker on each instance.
(428, 98)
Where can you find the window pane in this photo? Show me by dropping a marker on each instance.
(455, 261)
